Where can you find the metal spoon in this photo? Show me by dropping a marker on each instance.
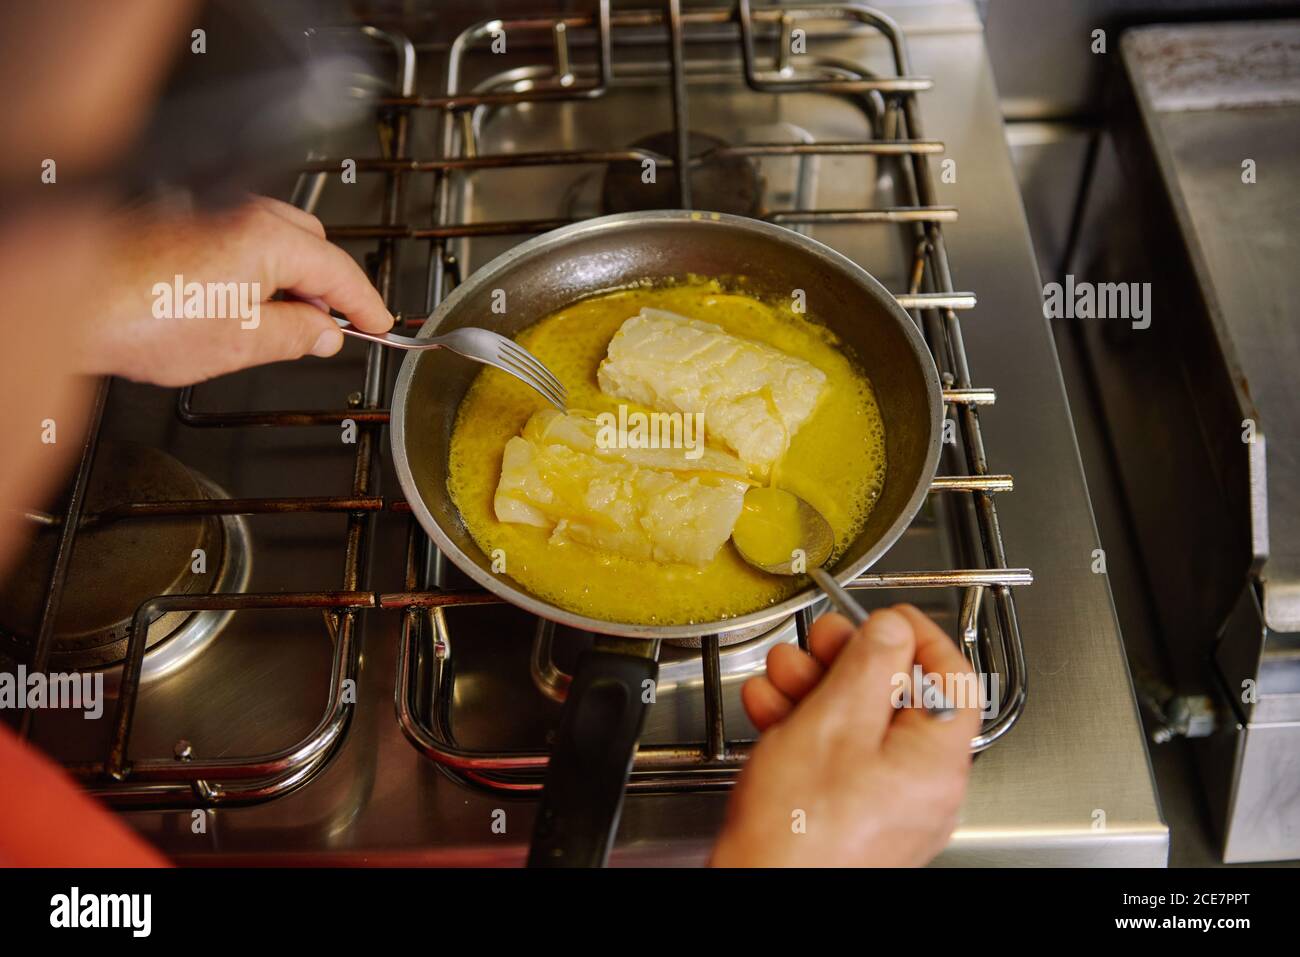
(816, 541)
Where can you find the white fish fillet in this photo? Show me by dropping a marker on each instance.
(754, 397)
(648, 504)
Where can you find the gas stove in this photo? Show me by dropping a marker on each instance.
(293, 672)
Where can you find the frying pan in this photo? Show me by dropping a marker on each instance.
(606, 704)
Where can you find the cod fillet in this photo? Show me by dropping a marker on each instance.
(647, 504)
(754, 397)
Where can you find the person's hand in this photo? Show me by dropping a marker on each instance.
(842, 777)
(265, 241)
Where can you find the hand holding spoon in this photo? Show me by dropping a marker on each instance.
(776, 529)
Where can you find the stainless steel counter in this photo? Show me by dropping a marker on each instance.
(1070, 784)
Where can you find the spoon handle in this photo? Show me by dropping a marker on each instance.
(844, 603)
(848, 606)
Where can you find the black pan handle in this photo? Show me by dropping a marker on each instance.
(591, 758)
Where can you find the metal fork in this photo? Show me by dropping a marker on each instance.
(481, 345)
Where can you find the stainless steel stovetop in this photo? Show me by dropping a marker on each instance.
(334, 603)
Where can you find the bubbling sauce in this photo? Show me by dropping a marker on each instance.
(836, 461)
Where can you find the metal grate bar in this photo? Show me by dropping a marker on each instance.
(43, 645)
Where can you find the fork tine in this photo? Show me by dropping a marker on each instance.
(484, 345)
(533, 383)
(523, 373)
(528, 359)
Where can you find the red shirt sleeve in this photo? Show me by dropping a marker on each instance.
(46, 820)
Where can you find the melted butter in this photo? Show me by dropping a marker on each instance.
(769, 528)
(836, 462)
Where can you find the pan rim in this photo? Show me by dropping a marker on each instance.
(769, 615)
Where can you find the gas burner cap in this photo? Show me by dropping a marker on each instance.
(118, 563)
(728, 184)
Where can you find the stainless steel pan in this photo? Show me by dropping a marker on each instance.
(604, 710)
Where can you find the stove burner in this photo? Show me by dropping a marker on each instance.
(718, 185)
(117, 565)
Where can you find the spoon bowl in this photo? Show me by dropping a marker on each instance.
(781, 534)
